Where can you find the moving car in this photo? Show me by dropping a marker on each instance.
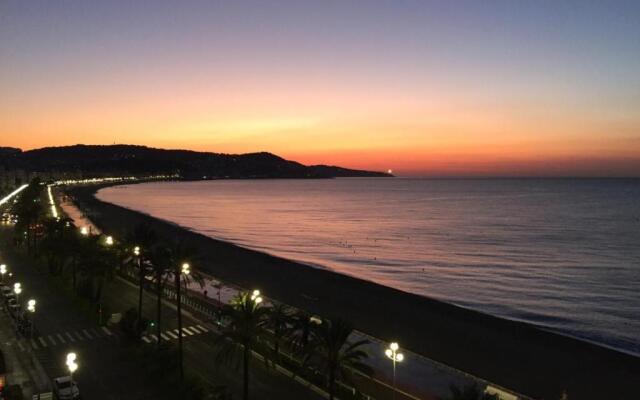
(66, 388)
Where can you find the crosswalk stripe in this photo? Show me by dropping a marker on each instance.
(203, 328)
(78, 335)
(187, 331)
(53, 342)
(145, 339)
(173, 335)
(44, 344)
(34, 344)
(69, 336)
(107, 331)
(96, 333)
(196, 330)
(60, 338)
(86, 333)
(165, 337)
(154, 337)
(177, 332)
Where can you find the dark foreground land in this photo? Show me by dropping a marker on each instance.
(515, 355)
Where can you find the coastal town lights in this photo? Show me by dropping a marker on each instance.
(54, 211)
(10, 195)
(393, 354)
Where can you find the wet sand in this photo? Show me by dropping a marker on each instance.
(515, 355)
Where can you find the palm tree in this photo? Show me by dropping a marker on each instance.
(278, 321)
(301, 326)
(179, 257)
(243, 333)
(334, 355)
(143, 239)
(97, 264)
(162, 270)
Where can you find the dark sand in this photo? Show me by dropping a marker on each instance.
(515, 355)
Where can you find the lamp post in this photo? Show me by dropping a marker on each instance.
(393, 354)
(3, 270)
(84, 231)
(17, 289)
(109, 241)
(72, 366)
(186, 270)
(31, 307)
(137, 252)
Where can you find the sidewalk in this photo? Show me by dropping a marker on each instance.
(22, 367)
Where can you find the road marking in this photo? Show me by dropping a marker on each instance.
(78, 335)
(20, 345)
(196, 330)
(145, 339)
(177, 332)
(203, 328)
(165, 337)
(34, 344)
(154, 337)
(172, 334)
(107, 331)
(86, 333)
(44, 344)
(187, 331)
(60, 338)
(53, 342)
(95, 333)
(69, 336)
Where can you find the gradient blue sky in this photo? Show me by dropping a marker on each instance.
(425, 88)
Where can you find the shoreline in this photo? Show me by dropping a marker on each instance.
(516, 355)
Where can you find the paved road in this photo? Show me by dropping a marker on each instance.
(106, 368)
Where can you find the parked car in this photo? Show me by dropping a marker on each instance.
(65, 388)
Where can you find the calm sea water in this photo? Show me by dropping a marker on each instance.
(561, 254)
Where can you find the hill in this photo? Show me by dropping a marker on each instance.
(120, 160)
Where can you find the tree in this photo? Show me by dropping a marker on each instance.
(278, 321)
(97, 263)
(179, 258)
(143, 240)
(162, 270)
(334, 355)
(244, 332)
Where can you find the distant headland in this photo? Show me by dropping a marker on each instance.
(118, 160)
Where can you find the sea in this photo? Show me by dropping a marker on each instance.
(562, 254)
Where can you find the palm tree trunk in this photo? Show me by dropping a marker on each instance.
(179, 301)
(140, 285)
(332, 384)
(247, 358)
(159, 309)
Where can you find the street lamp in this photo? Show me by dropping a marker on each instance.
(109, 240)
(255, 297)
(84, 231)
(186, 268)
(72, 366)
(3, 270)
(136, 250)
(31, 307)
(393, 354)
(17, 289)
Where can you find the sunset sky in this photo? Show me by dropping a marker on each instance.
(421, 87)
